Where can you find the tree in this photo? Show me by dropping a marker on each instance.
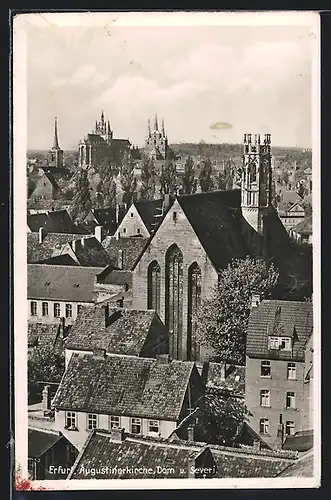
(222, 320)
(205, 176)
(81, 202)
(128, 180)
(189, 182)
(147, 190)
(168, 178)
(45, 364)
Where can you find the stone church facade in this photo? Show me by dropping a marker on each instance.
(198, 237)
(156, 142)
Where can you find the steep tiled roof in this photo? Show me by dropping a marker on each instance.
(42, 334)
(305, 226)
(301, 441)
(71, 283)
(279, 318)
(131, 248)
(149, 453)
(233, 383)
(105, 217)
(118, 330)
(303, 467)
(40, 441)
(50, 247)
(51, 179)
(59, 260)
(57, 221)
(142, 453)
(148, 210)
(115, 277)
(124, 385)
(51, 205)
(89, 252)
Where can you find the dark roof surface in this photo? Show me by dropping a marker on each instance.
(105, 217)
(42, 334)
(90, 252)
(148, 210)
(301, 441)
(57, 221)
(304, 467)
(124, 385)
(305, 226)
(50, 247)
(40, 441)
(52, 282)
(116, 277)
(118, 330)
(282, 318)
(234, 381)
(131, 248)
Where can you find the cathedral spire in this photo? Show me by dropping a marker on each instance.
(56, 139)
(163, 132)
(149, 128)
(156, 127)
(108, 128)
(102, 117)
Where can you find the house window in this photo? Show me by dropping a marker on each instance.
(289, 428)
(264, 398)
(285, 344)
(154, 286)
(291, 371)
(265, 369)
(68, 311)
(79, 307)
(264, 426)
(71, 419)
(45, 308)
(131, 214)
(33, 308)
(290, 400)
(273, 342)
(153, 426)
(114, 422)
(138, 230)
(57, 310)
(174, 216)
(194, 301)
(136, 425)
(174, 297)
(124, 230)
(92, 421)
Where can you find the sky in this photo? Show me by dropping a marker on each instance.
(247, 79)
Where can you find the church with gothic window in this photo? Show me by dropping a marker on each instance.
(199, 236)
(156, 142)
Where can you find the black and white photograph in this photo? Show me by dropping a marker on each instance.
(166, 182)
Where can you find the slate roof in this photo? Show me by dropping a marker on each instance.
(149, 452)
(304, 467)
(39, 442)
(304, 227)
(63, 283)
(105, 217)
(148, 210)
(115, 277)
(42, 334)
(131, 248)
(89, 252)
(301, 441)
(234, 382)
(59, 260)
(124, 385)
(50, 205)
(279, 318)
(51, 179)
(50, 247)
(118, 330)
(57, 221)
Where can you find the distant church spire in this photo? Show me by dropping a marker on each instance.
(108, 127)
(102, 117)
(156, 127)
(163, 132)
(149, 128)
(56, 139)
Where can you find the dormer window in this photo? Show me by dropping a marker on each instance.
(280, 343)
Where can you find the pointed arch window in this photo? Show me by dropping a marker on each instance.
(174, 297)
(154, 286)
(194, 301)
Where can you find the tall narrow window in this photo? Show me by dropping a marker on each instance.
(264, 398)
(194, 301)
(45, 308)
(264, 426)
(57, 310)
(154, 286)
(291, 371)
(33, 308)
(289, 428)
(290, 400)
(174, 297)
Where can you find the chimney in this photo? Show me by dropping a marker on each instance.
(162, 359)
(120, 302)
(82, 241)
(222, 371)
(46, 395)
(117, 435)
(62, 327)
(280, 433)
(98, 233)
(106, 309)
(99, 353)
(41, 234)
(256, 299)
(257, 445)
(166, 203)
(118, 235)
(74, 245)
(120, 259)
(117, 214)
(191, 431)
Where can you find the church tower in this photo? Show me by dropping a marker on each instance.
(156, 142)
(256, 181)
(56, 153)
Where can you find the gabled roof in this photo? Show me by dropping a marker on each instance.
(40, 441)
(301, 441)
(63, 283)
(105, 217)
(57, 221)
(232, 381)
(150, 211)
(88, 251)
(42, 334)
(117, 330)
(51, 245)
(279, 318)
(50, 178)
(303, 467)
(131, 248)
(124, 385)
(305, 226)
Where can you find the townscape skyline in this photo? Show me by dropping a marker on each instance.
(244, 77)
